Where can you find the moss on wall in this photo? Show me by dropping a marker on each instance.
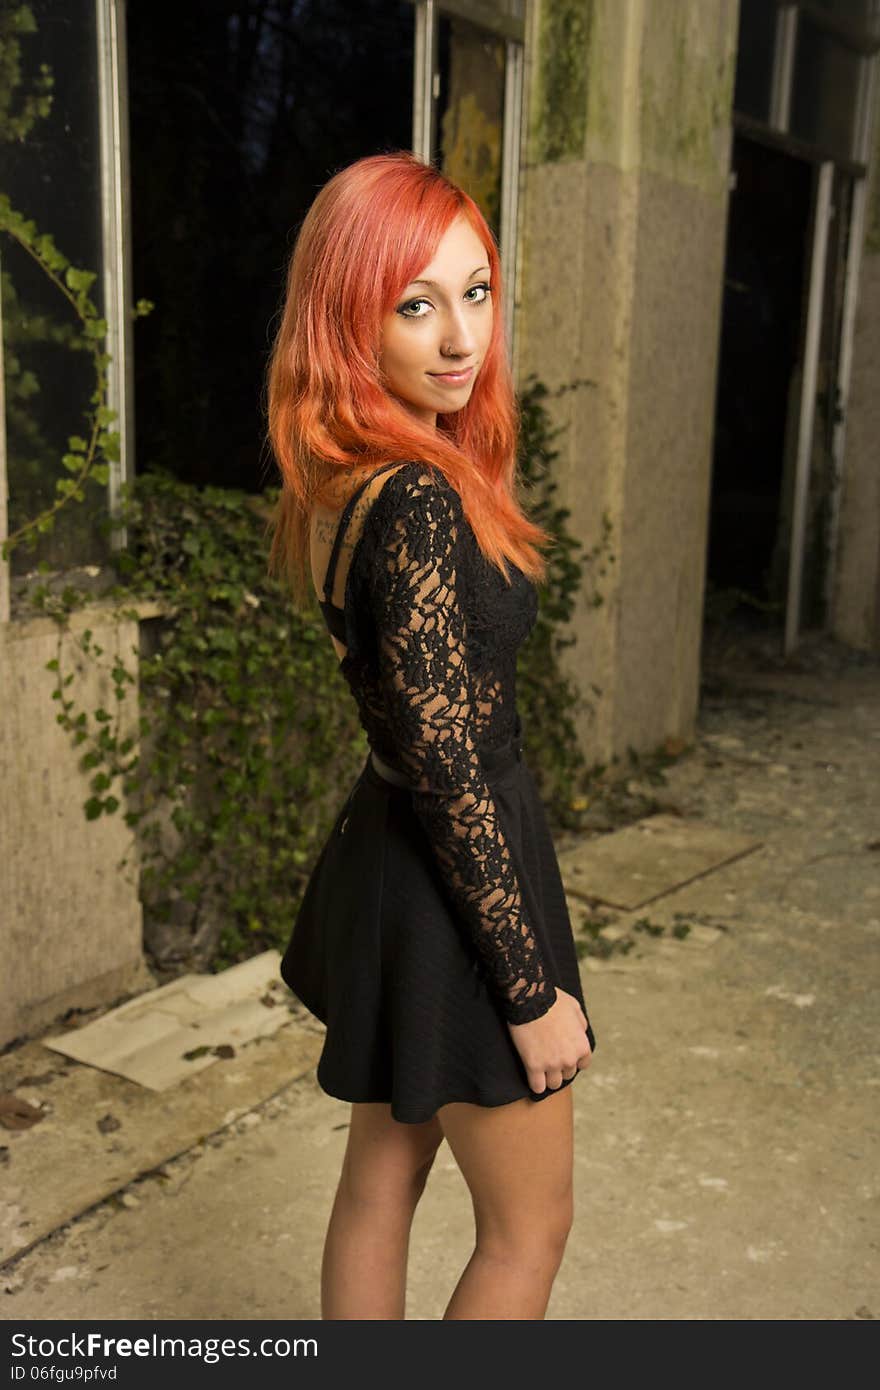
(560, 109)
(679, 56)
(687, 74)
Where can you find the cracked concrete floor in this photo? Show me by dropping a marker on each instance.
(726, 1134)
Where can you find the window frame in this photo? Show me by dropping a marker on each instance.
(116, 238)
(504, 19)
(116, 278)
(776, 128)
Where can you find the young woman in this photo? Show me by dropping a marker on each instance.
(433, 938)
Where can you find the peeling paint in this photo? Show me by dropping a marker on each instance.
(472, 144)
(471, 128)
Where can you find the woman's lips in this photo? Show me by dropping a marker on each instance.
(452, 378)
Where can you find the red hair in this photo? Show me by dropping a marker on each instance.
(370, 231)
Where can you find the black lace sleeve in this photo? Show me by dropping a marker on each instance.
(427, 688)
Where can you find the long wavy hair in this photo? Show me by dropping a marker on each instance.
(371, 230)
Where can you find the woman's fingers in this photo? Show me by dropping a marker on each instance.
(534, 1043)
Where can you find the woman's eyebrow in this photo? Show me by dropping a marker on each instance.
(433, 283)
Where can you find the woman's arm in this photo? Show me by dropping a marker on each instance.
(427, 688)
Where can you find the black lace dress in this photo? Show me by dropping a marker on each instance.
(435, 913)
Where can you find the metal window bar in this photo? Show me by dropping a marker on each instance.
(510, 175)
(807, 418)
(783, 66)
(116, 236)
(864, 118)
(855, 240)
(425, 77)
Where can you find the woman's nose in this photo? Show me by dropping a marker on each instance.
(458, 338)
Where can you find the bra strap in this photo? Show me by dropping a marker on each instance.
(343, 524)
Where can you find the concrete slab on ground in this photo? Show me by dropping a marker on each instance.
(101, 1131)
(644, 861)
(162, 1037)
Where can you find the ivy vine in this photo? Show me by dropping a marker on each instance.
(549, 699)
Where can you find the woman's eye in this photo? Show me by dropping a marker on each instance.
(412, 305)
(419, 308)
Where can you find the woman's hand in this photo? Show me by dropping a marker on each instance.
(553, 1047)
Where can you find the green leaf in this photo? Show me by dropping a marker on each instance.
(79, 279)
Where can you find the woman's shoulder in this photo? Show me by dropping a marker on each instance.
(416, 480)
(420, 474)
(408, 501)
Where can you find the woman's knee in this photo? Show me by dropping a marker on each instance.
(517, 1161)
(533, 1237)
(386, 1161)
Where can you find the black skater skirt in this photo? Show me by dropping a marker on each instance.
(379, 954)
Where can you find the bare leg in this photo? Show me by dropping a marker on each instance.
(517, 1162)
(386, 1165)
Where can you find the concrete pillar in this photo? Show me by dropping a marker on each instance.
(624, 218)
(70, 917)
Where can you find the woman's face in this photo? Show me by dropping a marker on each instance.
(436, 337)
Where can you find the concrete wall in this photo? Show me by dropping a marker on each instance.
(70, 919)
(856, 605)
(624, 217)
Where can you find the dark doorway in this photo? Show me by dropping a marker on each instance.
(239, 111)
(758, 377)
